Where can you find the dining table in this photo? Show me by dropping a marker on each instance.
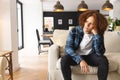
(47, 35)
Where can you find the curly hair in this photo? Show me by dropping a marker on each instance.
(100, 21)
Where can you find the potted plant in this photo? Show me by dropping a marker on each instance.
(111, 25)
(117, 24)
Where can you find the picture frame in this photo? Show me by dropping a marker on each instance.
(59, 21)
(49, 23)
(70, 21)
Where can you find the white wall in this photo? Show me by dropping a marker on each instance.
(32, 19)
(115, 13)
(5, 25)
(8, 29)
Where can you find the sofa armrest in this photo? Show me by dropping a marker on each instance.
(53, 55)
(115, 57)
(118, 62)
(118, 69)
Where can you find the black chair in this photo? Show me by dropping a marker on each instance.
(42, 42)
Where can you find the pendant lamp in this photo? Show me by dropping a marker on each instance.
(107, 6)
(58, 7)
(82, 6)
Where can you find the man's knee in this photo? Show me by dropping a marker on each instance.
(65, 59)
(104, 60)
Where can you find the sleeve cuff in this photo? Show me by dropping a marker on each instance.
(97, 36)
(77, 59)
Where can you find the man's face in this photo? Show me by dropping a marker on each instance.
(89, 25)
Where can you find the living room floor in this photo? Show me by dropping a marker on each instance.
(32, 67)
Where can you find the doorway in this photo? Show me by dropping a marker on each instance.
(20, 25)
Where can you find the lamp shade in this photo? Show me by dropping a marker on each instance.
(82, 6)
(58, 7)
(107, 6)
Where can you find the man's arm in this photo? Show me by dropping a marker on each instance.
(70, 49)
(98, 44)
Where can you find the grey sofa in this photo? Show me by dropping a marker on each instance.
(112, 44)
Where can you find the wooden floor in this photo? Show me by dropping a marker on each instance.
(32, 67)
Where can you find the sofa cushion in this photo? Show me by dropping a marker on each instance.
(59, 38)
(112, 41)
(113, 66)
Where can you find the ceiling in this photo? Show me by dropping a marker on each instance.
(71, 5)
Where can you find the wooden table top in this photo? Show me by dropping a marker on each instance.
(47, 35)
(2, 53)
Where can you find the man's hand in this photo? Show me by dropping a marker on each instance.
(94, 31)
(84, 66)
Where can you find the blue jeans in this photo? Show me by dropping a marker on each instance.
(92, 59)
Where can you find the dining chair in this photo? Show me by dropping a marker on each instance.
(42, 42)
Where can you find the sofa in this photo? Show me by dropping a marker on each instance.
(3, 65)
(56, 51)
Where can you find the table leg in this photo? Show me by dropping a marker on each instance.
(11, 67)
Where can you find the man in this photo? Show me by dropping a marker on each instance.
(85, 46)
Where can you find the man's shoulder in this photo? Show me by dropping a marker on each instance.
(77, 29)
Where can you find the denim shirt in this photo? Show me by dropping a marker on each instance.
(74, 39)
